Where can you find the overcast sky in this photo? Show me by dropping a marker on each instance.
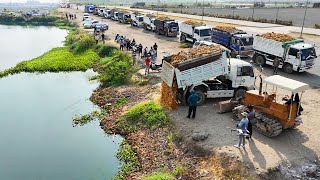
(23, 1)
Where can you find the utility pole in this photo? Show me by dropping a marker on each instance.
(304, 18)
(202, 10)
(252, 11)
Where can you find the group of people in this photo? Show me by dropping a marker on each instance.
(148, 55)
(97, 37)
(245, 126)
(71, 16)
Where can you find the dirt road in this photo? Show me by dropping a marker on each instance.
(292, 146)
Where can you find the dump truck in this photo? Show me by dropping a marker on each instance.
(294, 55)
(148, 22)
(167, 27)
(274, 113)
(107, 14)
(114, 16)
(210, 76)
(89, 8)
(239, 42)
(194, 31)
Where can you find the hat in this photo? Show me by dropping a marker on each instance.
(244, 114)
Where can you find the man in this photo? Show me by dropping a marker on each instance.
(242, 128)
(103, 38)
(192, 101)
(152, 54)
(276, 63)
(155, 47)
(140, 49)
(96, 37)
(121, 44)
(252, 120)
(134, 55)
(147, 63)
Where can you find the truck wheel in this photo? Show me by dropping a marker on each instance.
(288, 68)
(260, 60)
(166, 34)
(202, 97)
(239, 94)
(157, 31)
(183, 38)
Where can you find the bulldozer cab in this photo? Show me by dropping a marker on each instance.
(270, 99)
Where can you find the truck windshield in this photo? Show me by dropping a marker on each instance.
(205, 32)
(245, 71)
(308, 53)
(140, 19)
(247, 41)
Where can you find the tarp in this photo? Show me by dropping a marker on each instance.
(286, 83)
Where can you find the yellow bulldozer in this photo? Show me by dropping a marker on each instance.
(274, 113)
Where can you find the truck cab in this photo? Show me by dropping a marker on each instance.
(115, 16)
(137, 20)
(107, 14)
(299, 57)
(202, 33)
(148, 23)
(241, 44)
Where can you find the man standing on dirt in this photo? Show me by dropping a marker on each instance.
(192, 101)
(276, 63)
(103, 38)
(242, 126)
(147, 63)
(252, 120)
(96, 37)
(155, 47)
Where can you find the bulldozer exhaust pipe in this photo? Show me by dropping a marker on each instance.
(260, 85)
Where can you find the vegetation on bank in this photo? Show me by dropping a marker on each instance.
(84, 119)
(7, 19)
(128, 159)
(149, 115)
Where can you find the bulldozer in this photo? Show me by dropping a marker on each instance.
(273, 113)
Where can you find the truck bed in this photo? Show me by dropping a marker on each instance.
(196, 70)
(268, 46)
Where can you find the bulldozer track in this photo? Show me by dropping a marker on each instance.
(265, 125)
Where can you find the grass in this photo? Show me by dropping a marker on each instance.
(56, 60)
(128, 160)
(122, 101)
(149, 114)
(165, 174)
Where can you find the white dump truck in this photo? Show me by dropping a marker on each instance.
(294, 55)
(211, 76)
(148, 22)
(194, 32)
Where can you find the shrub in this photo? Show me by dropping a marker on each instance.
(317, 26)
(147, 114)
(116, 70)
(104, 50)
(159, 176)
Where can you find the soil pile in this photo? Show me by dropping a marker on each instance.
(277, 37)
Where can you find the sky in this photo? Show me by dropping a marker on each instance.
(23, 1)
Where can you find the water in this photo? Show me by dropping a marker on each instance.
(37, 140)
(23, 43)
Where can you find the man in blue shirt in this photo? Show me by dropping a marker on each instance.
(242, 129)
(192, 101)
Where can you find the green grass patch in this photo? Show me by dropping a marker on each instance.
(184, 45)
(159, 176)
(128, 159)
(147, 114)
(56, 60)
(122, 101)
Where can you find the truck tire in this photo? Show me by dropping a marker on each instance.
(157, 31)
(287, 68)
(183, 38)
(239, 94)
(202, 97)
(260, 60)
(166, 34)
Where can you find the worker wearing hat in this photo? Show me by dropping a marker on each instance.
(242, 128)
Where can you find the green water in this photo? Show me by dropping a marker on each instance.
(37, 140)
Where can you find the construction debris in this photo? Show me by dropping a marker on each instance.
(162, 18)
(277, 37)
